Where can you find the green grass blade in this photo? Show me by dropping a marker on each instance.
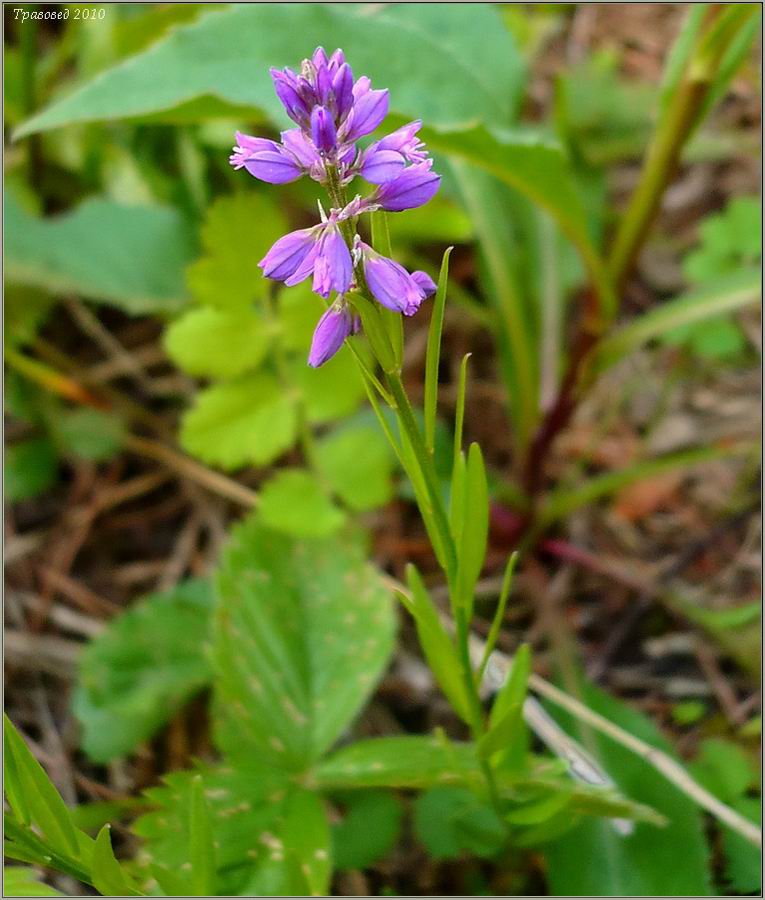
(433, 355)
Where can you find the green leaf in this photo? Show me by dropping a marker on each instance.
(474, 529)
(302, 632)
(238, 231)
(299, 310)
(201, 842)
(436, 644)
(32, 796)
(93, 251)
(245, 802)
(450, 820)
(333, 391)
(30, 468)
(217, 343)
(724, 296)
(142, 669)
(294, 503)
(220, 64)
(399, 762)
(247, 421)
(538, 169)
(369, 829)
(307, 840)
(21, 881)
(109, 878)
(743, 861)
(88, 433)
(593, 859)
(433, 354)
(357, 462)
(513, 691)
(723, 768)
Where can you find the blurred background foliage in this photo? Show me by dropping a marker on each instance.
(138, 326)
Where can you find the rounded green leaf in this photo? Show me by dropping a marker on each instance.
(217, 343)
(247, 421)
(294, 502)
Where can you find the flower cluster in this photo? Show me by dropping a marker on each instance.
(332, 112)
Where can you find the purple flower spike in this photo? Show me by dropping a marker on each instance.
(288, 254)
(332, 329)
(390, 283)
(412, 188)
(301, 148)
(342, 87)
(288, 91)
(333, 266)
(272, 164)
(425, 283)
(369, 109)
(323, 131)
(379, 166)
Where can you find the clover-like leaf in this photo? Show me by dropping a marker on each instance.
(236, 423)
(295, 503)
(218, 343)
(303, 631)
(146, 664)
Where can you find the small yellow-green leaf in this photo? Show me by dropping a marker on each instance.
(295, 503)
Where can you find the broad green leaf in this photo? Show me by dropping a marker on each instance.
(436, 644)
(333, 391)
(128, 256)
(21, 881)
(237, 233)
(724, 769)
(32, 796)
(593, 859)
(724, 296)
(142, 669)
(88, 433)
(303, 631)
(245, 801)
(368, 830)
(250, 420)
(399, 762)
(220, 64)
(294, 503)
(218, 343)
(201, 842)
(109, 879)
(450, 820)
(357, 463)
(30, 468)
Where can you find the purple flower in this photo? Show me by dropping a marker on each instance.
(390, 283)
(333, 267)
(425, 283)
(332, 329)
(368, 110)
(288, 254)
(323, 131)
(265, 159)
(320, 251)
(288, 90)
(413, 187)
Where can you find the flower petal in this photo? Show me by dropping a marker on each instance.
(369, 109)
(332, 329)
(425, 283)
(379, 166)
(288, 253)
(412, 188)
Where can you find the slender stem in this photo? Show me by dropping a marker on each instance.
(425, 462)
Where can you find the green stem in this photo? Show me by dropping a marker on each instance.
(672, 134)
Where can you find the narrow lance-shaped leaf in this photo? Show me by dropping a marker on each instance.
(109, 878)
(33, 797)
(727, 295)
(433, 355)
(474, 531)
(436, 644)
